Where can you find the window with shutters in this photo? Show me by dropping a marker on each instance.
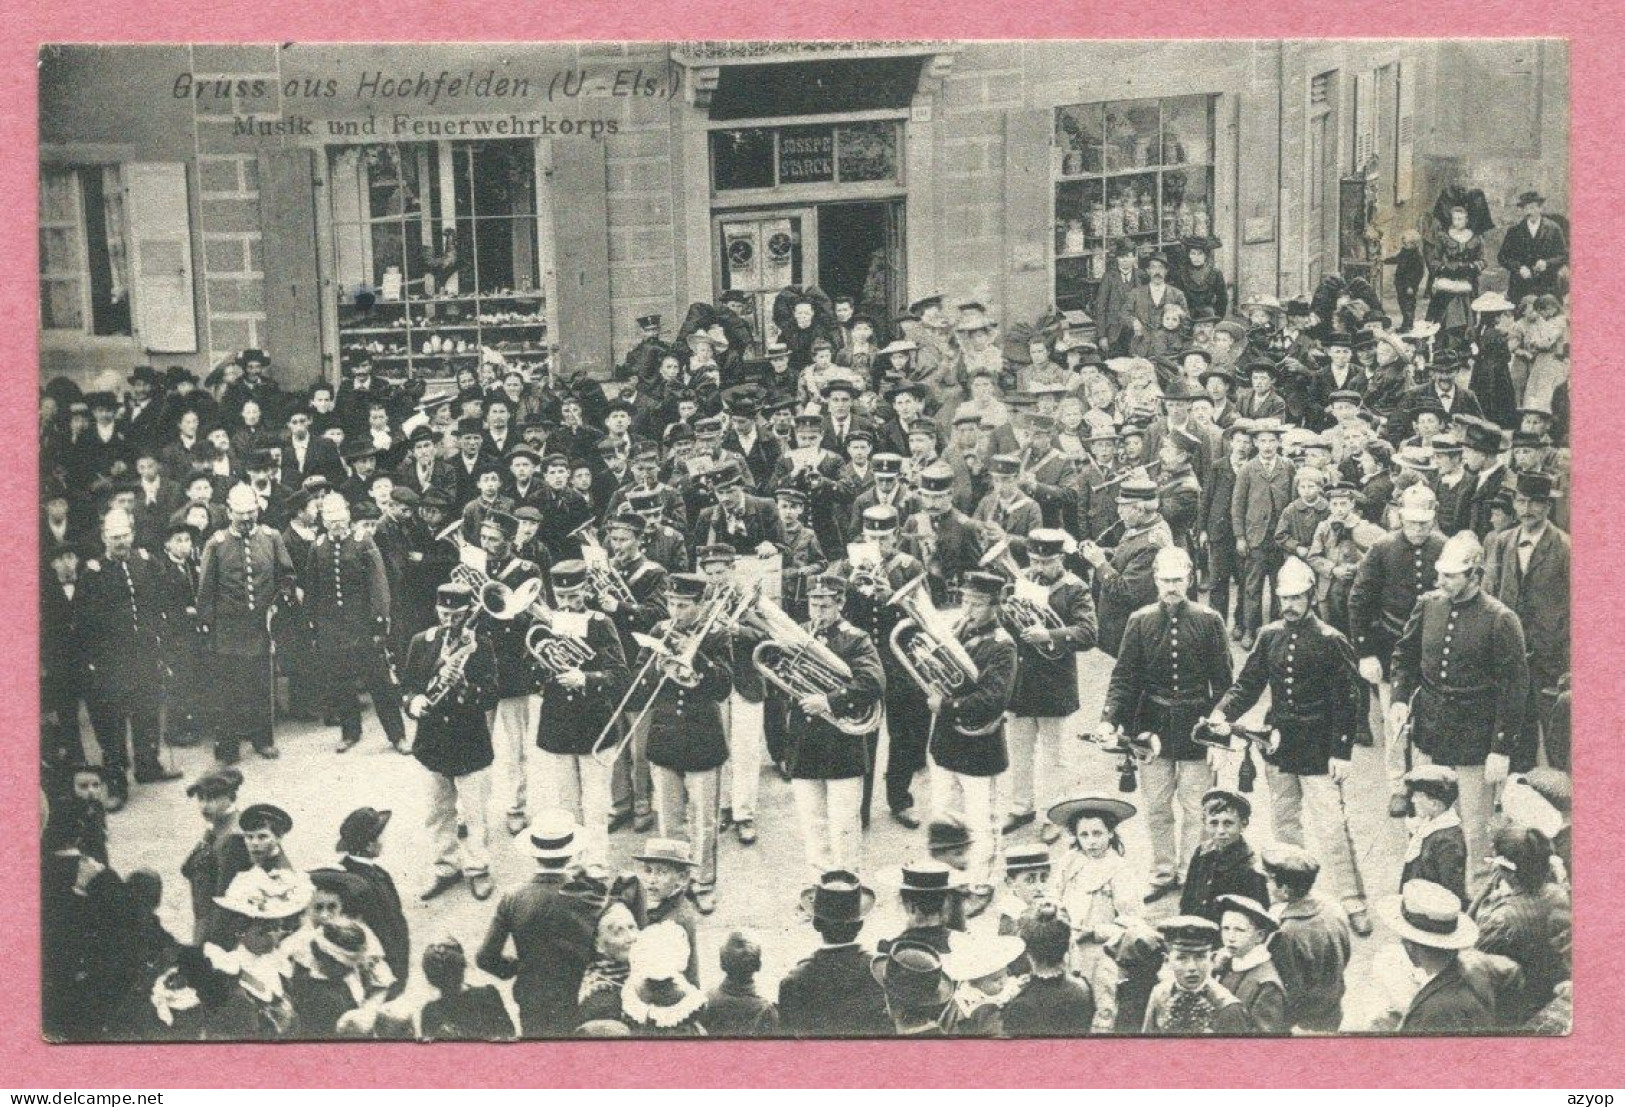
(1404, 132)
(83, 251)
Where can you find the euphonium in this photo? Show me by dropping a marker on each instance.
(800, 665)
(498, 600)
(603, 579)
(925, 644)
(555, 652)
(1025, 602)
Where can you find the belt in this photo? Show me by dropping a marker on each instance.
(1175, 701)
(1304, 714)
(1457, 692)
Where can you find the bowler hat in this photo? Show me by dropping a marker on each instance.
(1537, 486)
(839, 896)
(911, 974)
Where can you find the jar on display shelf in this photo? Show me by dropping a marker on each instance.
(1075, 238)
(1114, 218)
(1097, 220)
(1183, 224)
(1131, 214)
(1199, 219)
(1148, 212)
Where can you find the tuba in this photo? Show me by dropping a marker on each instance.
(798, 664)
(925, 643)
(1025, 602)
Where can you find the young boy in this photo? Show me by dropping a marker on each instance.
(1052, 1003)
(1190, 1001)
(1437, 848)
(1311, 950)
(1224, 863)
(734, 1008)
(1295, 529)
(1409, 269)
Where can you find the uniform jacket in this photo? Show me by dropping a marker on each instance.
(572, 719)
(1125, 580)
(452, 738)
(1048, 688)
(955, 550)
(1520, 248)
(346, 593)
(1386, 586)
(832, 994)
(1172, 669)
(647, 582)
(1311, 951)
(876, 617)
(241, 579)
(1317, 698)
(975, 754)
(1539, 596)
(553, 934)
(756, 522)
(685, 724)
(119, 612)
(821, 751)
(1471, 700)
(901, 498)
(1017, 517)
(1262, 493)
(1229, 871)
(1464, 997)
(516, 671)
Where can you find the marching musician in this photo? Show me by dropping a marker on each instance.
(631, 788)
(967, 749)
(857, 476)
(1317, 700)
(428, 555)
(661, 543)
(888, 490)
(453, 666)
(868, 607)
(563, 509)
(646, 483)
(1173, 666)
(742, 775)
(803, 558)
(1010, 511)
(347, 604)
(1045, 473)
(1098, 478)
(827, 765)
(514, 717)
(746, 523)
(1046, 689)
(687, 745)
(577, 702)
(1125, 573)
(943, 538)
(246, 571)
(817, 472)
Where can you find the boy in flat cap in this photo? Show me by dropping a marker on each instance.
(1436, 849)
(1245, 968)
(1224, 864)
(1312, 946)
(1190, 1001)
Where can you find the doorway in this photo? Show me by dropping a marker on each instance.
(860, 255)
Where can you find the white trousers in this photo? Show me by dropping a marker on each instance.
(1038, 778)
(579, 785)
(1164, 780)
(1293, 796)
(686, 807)
(742, 774)
(831, 830)
(454, 799)
(975, 800)
(513, 732)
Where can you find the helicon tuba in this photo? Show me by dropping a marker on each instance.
(1025, 602)
(800, 665)
(925, 643)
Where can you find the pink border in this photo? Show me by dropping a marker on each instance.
(1579, 1062)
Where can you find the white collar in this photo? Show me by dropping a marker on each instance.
(1445, 820)
(1253, 958)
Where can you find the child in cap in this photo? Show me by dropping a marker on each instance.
(1437, 847)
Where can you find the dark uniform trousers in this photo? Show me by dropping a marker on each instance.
(347, 600)
(1173, 666)
(120, 615)
(908, 723)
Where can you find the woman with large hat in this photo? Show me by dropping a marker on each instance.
(1095, 887)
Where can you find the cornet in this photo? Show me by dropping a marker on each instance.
(1025, 603)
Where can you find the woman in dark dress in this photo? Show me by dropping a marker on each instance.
(1525, 914)
(1456, 259)
(1492, 361)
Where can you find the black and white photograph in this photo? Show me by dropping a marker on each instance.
(804, 539)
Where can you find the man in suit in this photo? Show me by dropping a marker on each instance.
(357, 394)
(1340, 375)
(1531, 576)
(1263, 489)
(62, 657)
(1533, 251)
(142, 417)
(423, 468)
(467, 462)
(157, 495)
(305, 454)
(1453, 399)
(1145, 303)
(1214, 525)
(738, 519)
(839, 420)
(1484, 455)
(359, 846)
(831, 993)
(745, 439)
(1113, 314)
(1462, 986)
(1261, 401)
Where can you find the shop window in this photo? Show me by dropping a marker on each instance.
(83, 251)
(1139, 171)
(818, 154)
(437, 255)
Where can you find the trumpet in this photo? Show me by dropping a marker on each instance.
(864, 560)
(1135, 752)
(927, 646)
(1025, 603)
(800, 665)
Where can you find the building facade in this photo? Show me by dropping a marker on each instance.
(425, 203)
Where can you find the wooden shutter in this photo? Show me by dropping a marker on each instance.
(1365, 120)
(580, 191)
(161, 257)
(1405, 134)
(293, 314)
